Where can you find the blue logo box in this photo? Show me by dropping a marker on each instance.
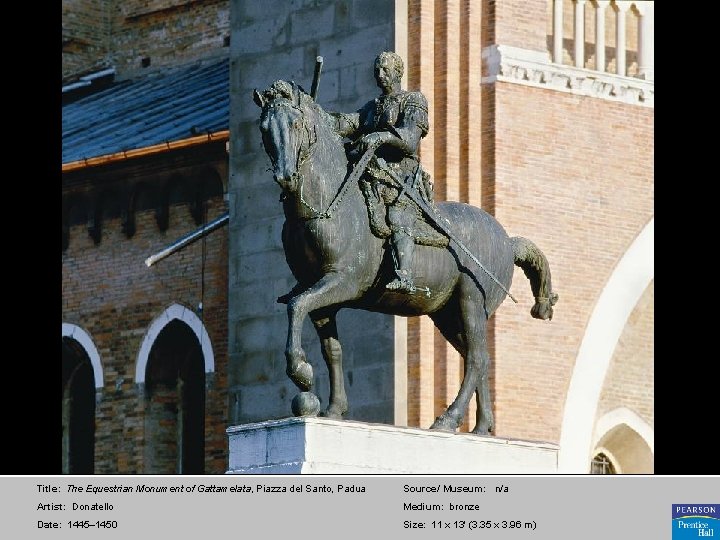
(695, 521)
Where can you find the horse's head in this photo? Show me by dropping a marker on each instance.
(287, 134)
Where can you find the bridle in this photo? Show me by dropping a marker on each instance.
(304, 153)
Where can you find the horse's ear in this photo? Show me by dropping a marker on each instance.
(257, 98)
(295, 92)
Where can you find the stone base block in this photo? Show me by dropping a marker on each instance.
(323, 446)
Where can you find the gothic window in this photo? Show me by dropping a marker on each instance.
(601, 464)
(78, 409)
(175, 403)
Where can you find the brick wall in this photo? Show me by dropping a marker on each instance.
(575, 175)
(86, 35)
(167, 33)
(632, 361)
(110, 293)
(519, 23)
(136, 36)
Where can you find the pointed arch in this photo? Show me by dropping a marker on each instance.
(623, 290)
(623, 415)
(73, 331)
(186, 315)
(625, 436)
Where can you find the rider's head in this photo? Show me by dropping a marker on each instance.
(388, 68)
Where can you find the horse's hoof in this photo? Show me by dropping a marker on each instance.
(305, 404)
(334, 413)
(443, 423)
(481, 430)
(543, 308)
(302, 376)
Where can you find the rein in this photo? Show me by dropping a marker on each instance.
(354, 176)
(304, 156)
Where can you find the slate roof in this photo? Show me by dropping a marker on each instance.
(157, 108)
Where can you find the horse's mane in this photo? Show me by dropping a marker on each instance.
(296, 94)
(288, 90)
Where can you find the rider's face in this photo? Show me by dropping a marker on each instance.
(384, 75)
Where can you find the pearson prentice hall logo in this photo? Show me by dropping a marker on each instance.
(695, 521)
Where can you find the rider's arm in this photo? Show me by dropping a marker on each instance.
(346, 124)
(352, 125)
(411, 126)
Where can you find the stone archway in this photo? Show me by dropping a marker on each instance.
(615, 304)
(174, 358)
(627, 439)
(81, 378)
(186, 315)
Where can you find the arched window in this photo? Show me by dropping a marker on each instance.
(173, 360)
(81, 376)
(601, 464)
(175, 403)
(626, 440)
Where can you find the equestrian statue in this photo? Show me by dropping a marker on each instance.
(362, 231)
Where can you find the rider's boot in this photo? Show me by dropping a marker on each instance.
(403, 248)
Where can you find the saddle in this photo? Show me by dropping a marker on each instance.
(387, 188)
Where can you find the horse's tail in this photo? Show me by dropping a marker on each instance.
(533, 262)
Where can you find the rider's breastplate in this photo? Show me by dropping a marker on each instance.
(387, 110)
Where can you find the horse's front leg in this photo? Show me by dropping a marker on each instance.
(326, 327)
(330, 289)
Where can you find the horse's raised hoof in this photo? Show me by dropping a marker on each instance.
(305, 404)
(302, 376)
(444, 423)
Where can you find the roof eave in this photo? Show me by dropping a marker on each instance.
(223, 135)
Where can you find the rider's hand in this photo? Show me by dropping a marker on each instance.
(375, 139)
(379, 137)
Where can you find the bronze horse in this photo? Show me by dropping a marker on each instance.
(339, 263)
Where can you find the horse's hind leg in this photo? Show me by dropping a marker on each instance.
(485, 422)
(474, 326)
(326, 328)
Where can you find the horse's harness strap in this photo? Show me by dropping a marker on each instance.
(353, 177)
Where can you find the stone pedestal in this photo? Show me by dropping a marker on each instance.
(323, 446)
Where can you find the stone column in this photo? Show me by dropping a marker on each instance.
(579, 33)
(622, 8)
(600, 6)
(646, 40)
(558, 31)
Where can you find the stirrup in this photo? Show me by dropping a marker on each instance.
(401, 284)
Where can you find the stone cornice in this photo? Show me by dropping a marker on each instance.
(534, 68)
